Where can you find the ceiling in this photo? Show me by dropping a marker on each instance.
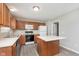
(48, 11)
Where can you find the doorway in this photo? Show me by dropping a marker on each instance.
(56, 29)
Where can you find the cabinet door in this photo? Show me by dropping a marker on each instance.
(12, 22)
(20, 25)
(6, 20)
(7, 51)
(53, 47)
(1, 20)
(41, 24)
(35, 26)
(35, 37)
(14, 50)
(22, 40)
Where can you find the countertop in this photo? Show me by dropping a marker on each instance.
(12, 38)
(50, 38)
(9, 41)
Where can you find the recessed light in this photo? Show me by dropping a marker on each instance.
(36, 8)
(13, 9)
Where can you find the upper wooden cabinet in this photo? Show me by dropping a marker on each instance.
(6, 19)
(1, 13)
(42, 24)
(4, 15)
(12, 22)
(21, 24)
(35, 26)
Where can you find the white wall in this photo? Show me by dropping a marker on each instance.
(69, 28)
(48, 27)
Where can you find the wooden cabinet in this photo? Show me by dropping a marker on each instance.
(4, 15)
(8, 51)
(20, 25)
(53, 47)
(1, 13)
(49, 48)
(12, 22)
(22, 40)
(35, 37)
(35, 26)
(14, 50)
(41, 24)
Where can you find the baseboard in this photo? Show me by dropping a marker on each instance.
(69, 49)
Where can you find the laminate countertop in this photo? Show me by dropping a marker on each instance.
(6, 42)
(50, 38)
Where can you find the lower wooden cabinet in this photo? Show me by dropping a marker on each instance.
(22, 40)
(49, 48)
(8, 51)
(14, 50)
(35, 37)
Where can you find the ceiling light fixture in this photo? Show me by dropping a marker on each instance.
(36, 8)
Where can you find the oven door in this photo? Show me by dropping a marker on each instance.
(29, 38)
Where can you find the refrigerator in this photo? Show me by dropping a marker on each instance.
(42, 30)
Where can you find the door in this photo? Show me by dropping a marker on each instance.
(56, 29)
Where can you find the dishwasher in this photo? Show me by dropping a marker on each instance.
(18, 49)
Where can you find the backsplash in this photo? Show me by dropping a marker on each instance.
(4, 29)
(23, 31)
(4, 32)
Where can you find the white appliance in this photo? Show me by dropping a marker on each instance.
(42, 30)
(29, 27)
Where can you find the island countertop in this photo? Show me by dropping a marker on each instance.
(50, 38)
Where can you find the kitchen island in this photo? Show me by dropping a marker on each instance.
(48, 45)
